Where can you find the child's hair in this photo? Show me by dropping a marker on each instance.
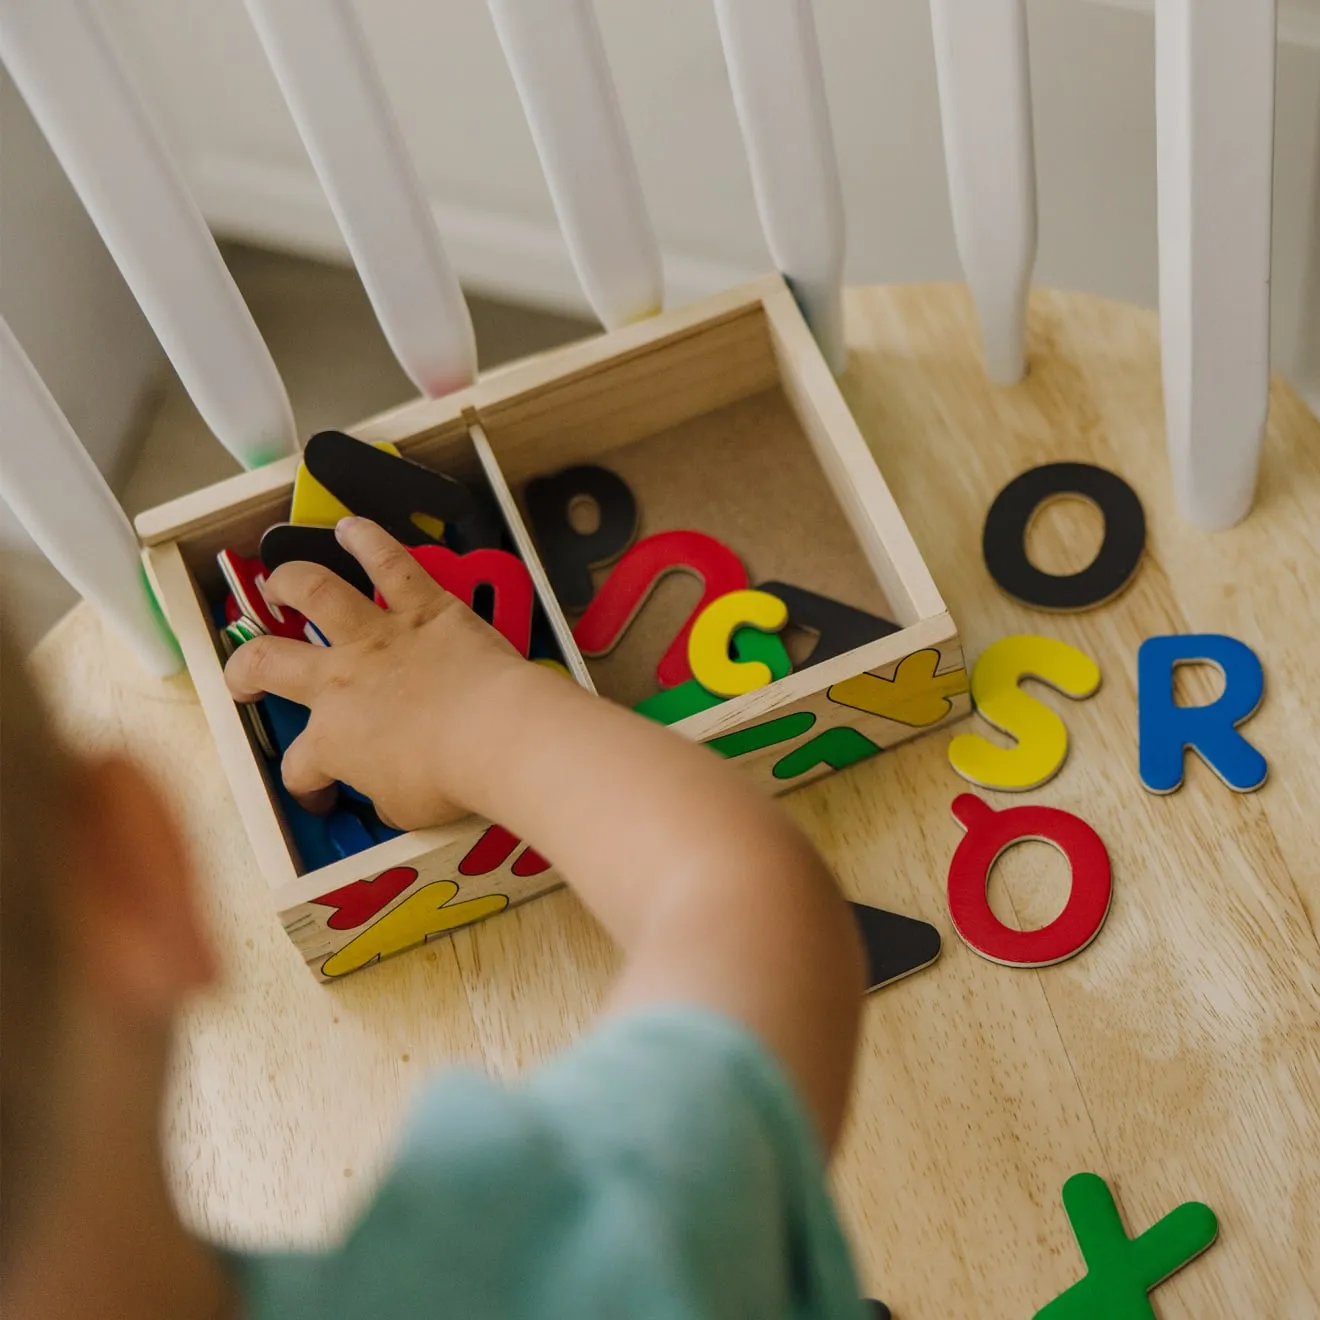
(33, 777)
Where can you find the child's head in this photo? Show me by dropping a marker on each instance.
(99, 943)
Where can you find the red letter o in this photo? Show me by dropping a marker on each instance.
(989, 833)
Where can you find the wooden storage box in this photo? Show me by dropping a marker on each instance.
(723, 418)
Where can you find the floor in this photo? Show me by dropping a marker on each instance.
(1177, 1057)
(336, 366)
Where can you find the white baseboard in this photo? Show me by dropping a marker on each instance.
(492, 252)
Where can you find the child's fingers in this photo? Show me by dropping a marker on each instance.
(340, 611)
(401, 580)
(309, 785)
(274, 664)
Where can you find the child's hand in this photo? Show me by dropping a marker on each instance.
(397, 699)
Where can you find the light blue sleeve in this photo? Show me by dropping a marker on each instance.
(663, 1169)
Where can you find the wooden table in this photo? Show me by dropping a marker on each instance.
(1179, 1056)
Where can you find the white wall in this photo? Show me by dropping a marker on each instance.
(1094, 96)
(64, 299)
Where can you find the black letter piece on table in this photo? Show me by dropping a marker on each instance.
(896, 946)
(839, 627)
(1004, 542)
(570, 555)
(389, 490)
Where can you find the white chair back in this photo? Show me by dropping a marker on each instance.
(343, 114)
(64, 66)
(1215, 96)
(557, 59)
(60, 496)
(985, 103)
(1214, 89)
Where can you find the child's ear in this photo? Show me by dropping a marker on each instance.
(131, 906)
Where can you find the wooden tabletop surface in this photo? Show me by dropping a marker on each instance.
(1178, 1056)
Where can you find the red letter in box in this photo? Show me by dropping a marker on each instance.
(505, 574)
(628, 587)
(246, 578)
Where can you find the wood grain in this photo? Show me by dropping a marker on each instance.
(1179, 1056)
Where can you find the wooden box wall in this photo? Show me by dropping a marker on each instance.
(722, 417)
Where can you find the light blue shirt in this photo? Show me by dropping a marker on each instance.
(662, 1168)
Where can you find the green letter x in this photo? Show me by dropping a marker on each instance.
(1120, 1270)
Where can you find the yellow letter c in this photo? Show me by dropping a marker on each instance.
(708, 643)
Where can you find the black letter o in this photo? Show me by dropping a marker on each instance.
(1004, 541)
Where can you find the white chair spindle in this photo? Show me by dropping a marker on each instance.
(58, 494)
(1214, 69)
(335, 94)
(984, 79)
(773, 57)
(62, 61)
(554, 51)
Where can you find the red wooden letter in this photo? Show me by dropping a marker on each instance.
(627, 588)
(989, 832)
(504, 573)
(247, 580)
